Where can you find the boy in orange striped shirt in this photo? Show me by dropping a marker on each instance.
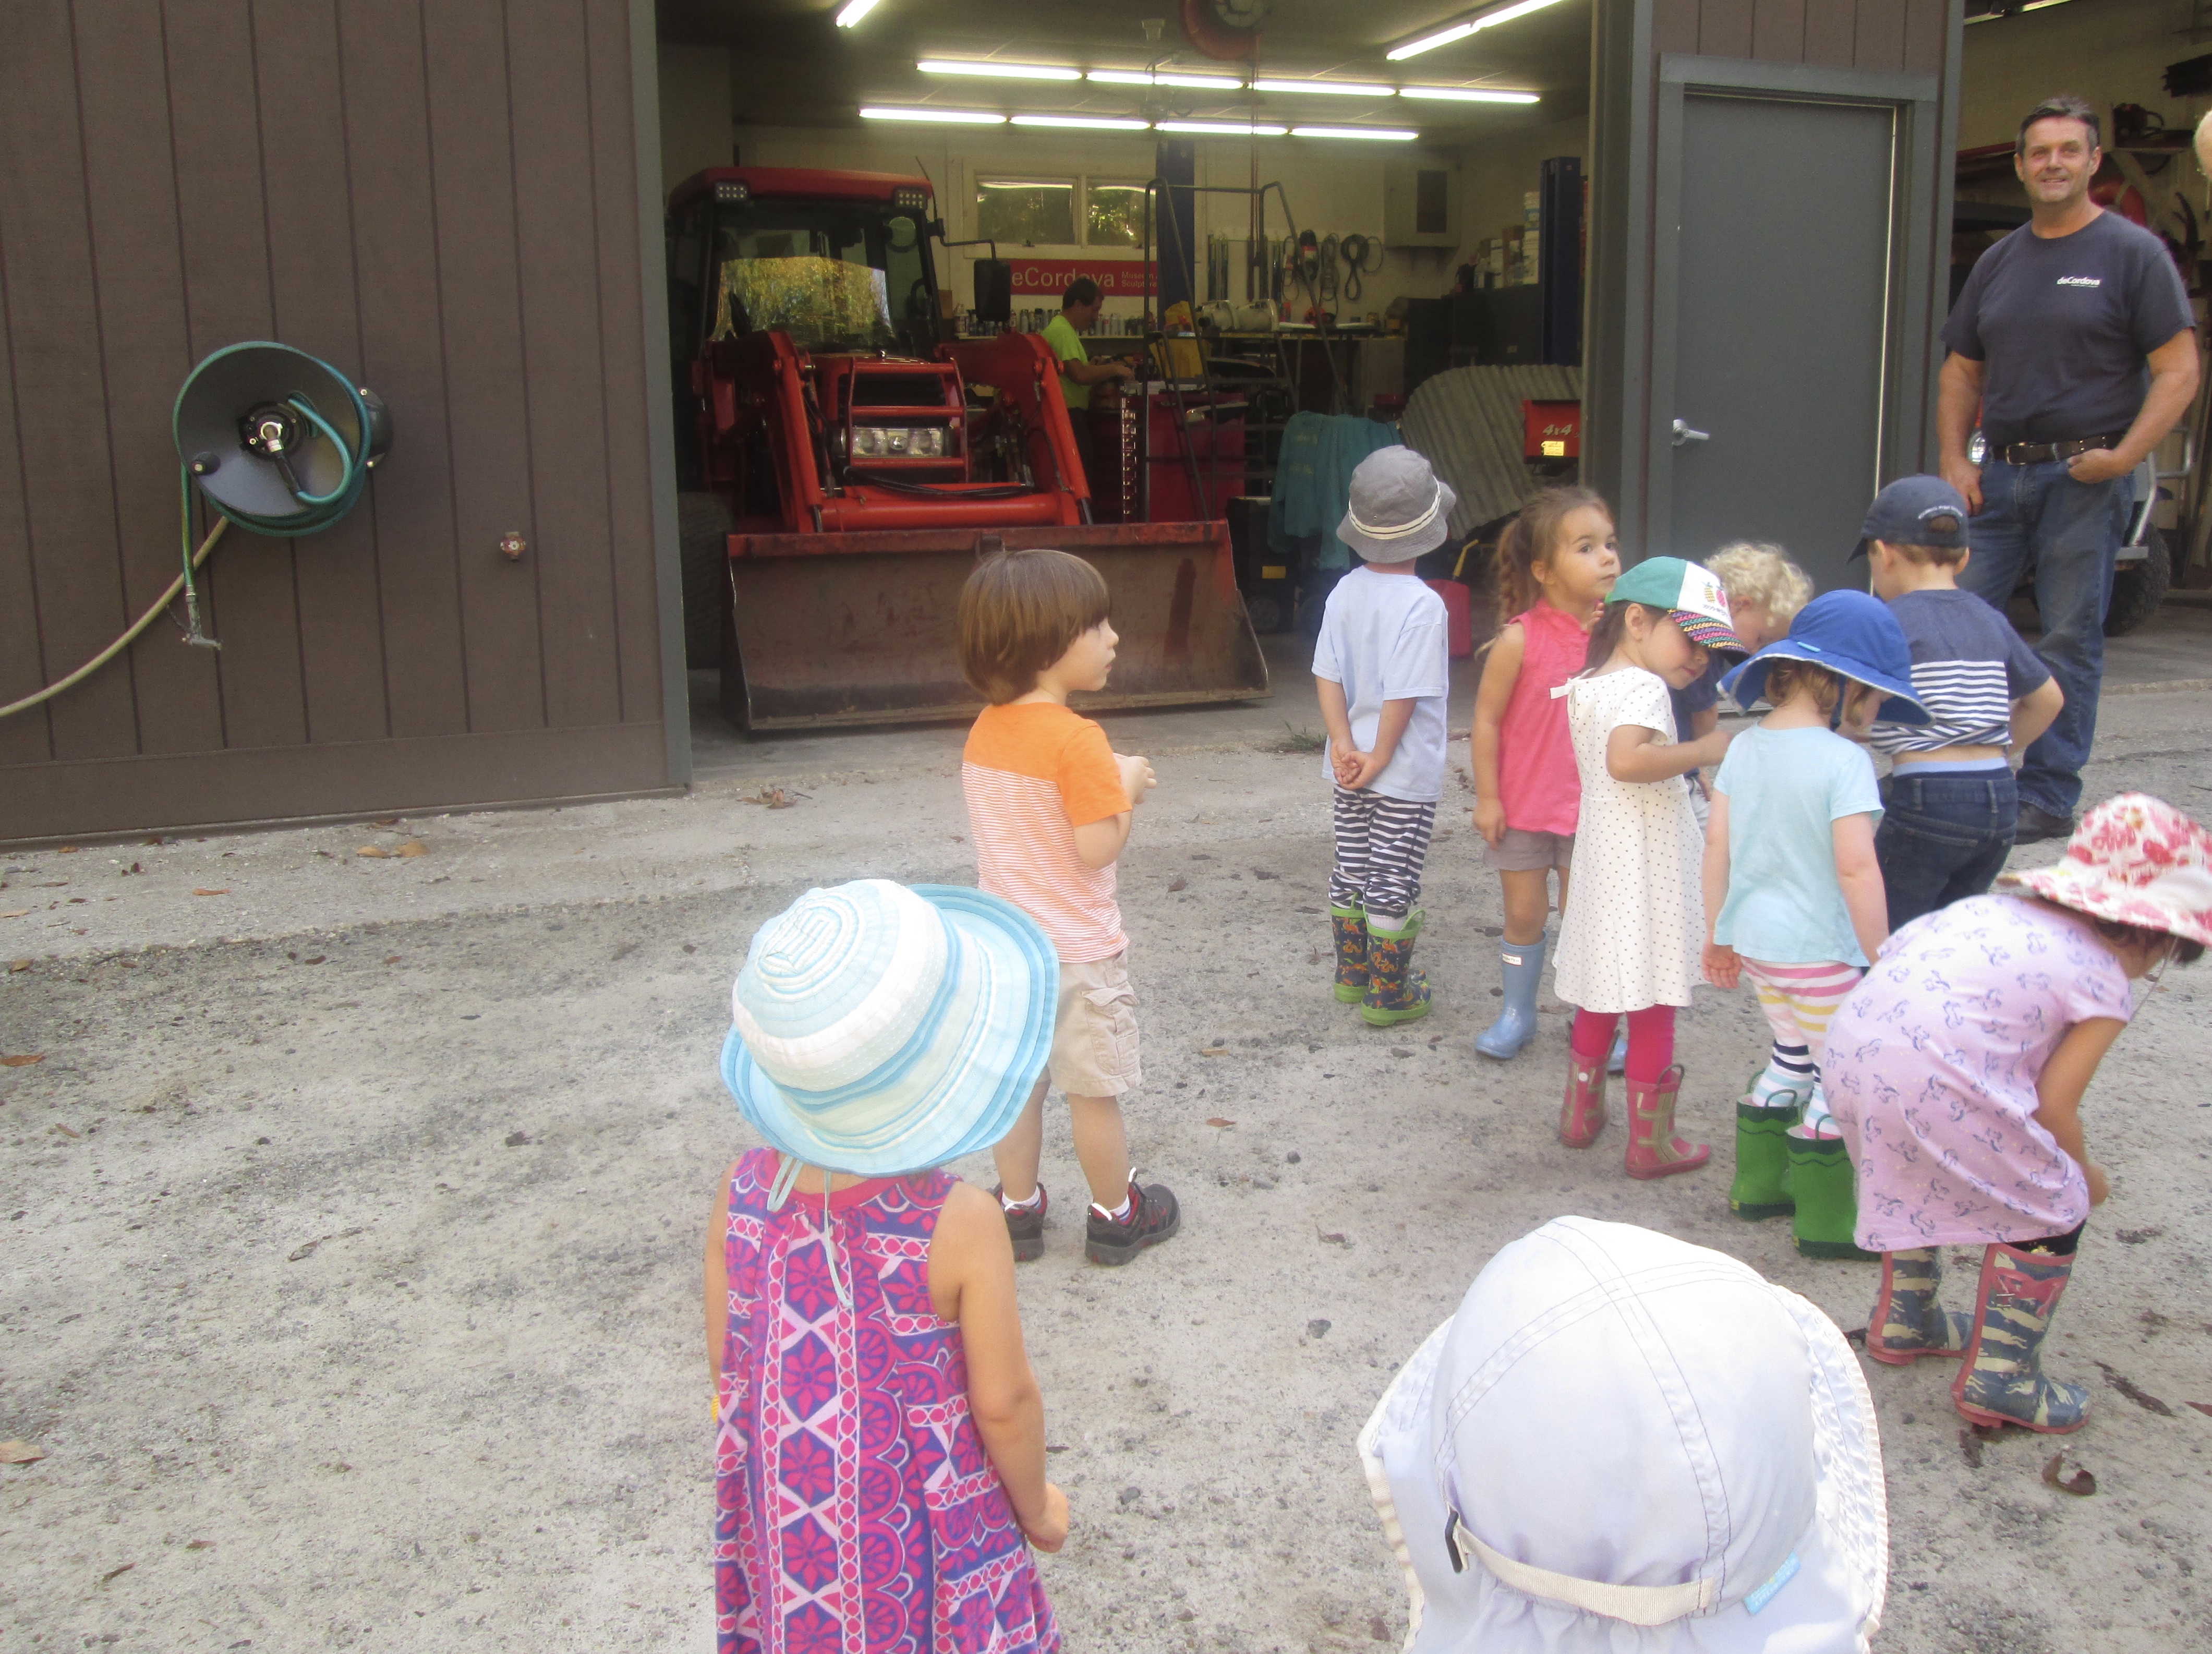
(1049, 804)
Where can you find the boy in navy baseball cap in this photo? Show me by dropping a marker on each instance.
(1951, 806)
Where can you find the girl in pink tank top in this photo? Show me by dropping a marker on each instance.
(1555, 563)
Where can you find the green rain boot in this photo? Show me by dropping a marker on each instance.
(1396, 991)
(1762, 1119)
(1350, 925)
(1824, 1193)
(1908, 1320)
(2001, 1381)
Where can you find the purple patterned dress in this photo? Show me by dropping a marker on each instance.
(855, 1510)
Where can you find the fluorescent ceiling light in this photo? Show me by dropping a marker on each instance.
(1225, 129)
(1466, 93)
(854, 11)
(1092, 123)
(1019, 184)
(961, 117)
(1341, 88)
(998, 71)
(1460, 30)
(1352, 132)
(1139, 77)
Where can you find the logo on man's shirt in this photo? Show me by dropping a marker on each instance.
(2080, 281)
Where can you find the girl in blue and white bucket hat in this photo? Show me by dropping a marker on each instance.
(880, 1457)
(1623, 1443)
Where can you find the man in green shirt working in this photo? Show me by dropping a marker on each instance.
(1078, 313)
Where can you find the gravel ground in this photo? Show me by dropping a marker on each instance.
(354, 1217)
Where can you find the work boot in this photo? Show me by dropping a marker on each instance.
(1824, 1189)
(1025, 1227)
(1654, 1150)
(1396, 992)
(1154, 1216)
(1582, 1115)
(1350, 925)
(2001, 1381)
(1762, 1161)
(1517, 1023)
(1908, 1320)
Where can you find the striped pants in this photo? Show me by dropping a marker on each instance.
(1381, 844)
(1800, 1000)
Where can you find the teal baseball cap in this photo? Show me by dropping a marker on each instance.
(1691, 593)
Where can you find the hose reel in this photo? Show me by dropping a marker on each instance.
(279, 442)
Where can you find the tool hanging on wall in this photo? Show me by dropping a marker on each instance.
(1356, 250)
(279, 442)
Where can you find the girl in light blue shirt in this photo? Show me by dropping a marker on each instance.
(1794, 898)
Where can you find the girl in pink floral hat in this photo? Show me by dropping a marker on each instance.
(1956, 1070)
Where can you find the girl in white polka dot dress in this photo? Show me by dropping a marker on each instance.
(1632, 946)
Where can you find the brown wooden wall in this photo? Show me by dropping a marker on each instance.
(1909, 36)
(438, 197)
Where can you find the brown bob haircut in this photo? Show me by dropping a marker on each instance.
(1019, 612)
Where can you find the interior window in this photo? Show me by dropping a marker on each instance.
(1026, 212)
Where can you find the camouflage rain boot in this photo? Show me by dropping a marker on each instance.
(2001, 1381)
(1350, 924)
(1396, 991)
(1654, 1150)
(1908, 1320)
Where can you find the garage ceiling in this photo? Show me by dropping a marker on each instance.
(792, 66)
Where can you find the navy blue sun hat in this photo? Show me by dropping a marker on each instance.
(1851, 634)
(1914, 511)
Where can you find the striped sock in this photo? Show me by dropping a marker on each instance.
(1788, 1079)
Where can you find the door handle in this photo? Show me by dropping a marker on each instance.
(1684, 434)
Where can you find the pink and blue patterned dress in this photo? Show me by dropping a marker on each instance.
(856, 1511)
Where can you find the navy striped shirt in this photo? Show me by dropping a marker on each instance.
(1968, 667)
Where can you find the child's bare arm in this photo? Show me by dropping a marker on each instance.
(1722, 968)
(1098, 843)
(971, 1282)
(1860, 877)
(1336, 719)
(2035, 712)
(2059, 1087)
(1500, 672)
(1634, 752)
(717, 1281)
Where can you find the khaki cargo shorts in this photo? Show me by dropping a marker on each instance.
(1094, 1034)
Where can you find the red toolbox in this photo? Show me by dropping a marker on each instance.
(1459, 615)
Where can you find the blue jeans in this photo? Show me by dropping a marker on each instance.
(1942, 837)
(2037, 519)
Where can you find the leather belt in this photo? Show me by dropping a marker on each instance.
(2042, 454)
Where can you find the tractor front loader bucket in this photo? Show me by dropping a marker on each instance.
(861, 628)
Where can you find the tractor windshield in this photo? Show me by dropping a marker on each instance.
(834, 275)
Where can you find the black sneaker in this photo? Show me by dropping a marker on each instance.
(1153, 1217)
(2037, 824)
(1024, 1228)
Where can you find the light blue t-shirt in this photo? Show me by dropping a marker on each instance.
(1786, 788)
(1383, 637)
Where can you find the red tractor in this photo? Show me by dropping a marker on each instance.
(843, 465)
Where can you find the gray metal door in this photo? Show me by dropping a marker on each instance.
(1787, 337)
(1781, 325)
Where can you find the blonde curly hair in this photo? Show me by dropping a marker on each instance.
(1752, 571)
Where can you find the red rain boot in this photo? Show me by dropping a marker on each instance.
(1654, 1150)
(1582, 1115)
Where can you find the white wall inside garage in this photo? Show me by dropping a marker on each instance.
(1333, 188)
(2107, 51)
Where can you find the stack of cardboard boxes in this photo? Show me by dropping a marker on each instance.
(1511, 258)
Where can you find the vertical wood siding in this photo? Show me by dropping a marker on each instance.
(436, 196)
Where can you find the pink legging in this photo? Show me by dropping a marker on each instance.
(1650, 1040)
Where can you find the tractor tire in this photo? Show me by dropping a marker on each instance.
(703, 527)
(2139, 588)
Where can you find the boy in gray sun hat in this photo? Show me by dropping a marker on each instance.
(1383, 667)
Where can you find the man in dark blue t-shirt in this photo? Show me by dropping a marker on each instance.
(2075, 343)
